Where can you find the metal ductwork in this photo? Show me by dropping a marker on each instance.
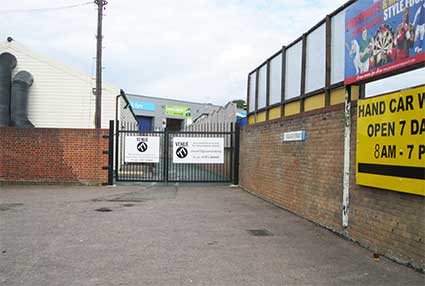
(7, 64)
(21, 83)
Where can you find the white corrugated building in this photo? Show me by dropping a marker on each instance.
(62, 97)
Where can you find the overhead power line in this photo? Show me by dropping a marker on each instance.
(47, 9)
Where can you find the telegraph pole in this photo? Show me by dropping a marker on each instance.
(98, 114)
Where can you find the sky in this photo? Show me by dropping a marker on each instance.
(196, 50)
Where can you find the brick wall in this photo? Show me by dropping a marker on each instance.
(53, 156)
(306, 178)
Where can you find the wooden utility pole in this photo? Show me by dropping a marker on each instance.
(98, 114)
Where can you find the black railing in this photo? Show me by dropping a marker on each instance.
(165, 169)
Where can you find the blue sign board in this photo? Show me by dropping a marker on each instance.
(382, 36)
(241, 114)
(140, 105)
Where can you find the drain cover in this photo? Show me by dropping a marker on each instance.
(104, 210)
(259, 232)
(128, 205)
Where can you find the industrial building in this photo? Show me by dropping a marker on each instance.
(61, 96)
(155, 113)
(230, 113)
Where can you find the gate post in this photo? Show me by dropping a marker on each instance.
(236, 155)
(117, 137)
(111, 154)
(165, 151)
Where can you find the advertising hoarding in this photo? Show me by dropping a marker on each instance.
(382, 37)
(391, 141)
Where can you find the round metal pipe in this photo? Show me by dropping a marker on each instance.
(19, 101)
(7, 63)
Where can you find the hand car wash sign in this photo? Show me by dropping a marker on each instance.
(391, 141)
(383, 36)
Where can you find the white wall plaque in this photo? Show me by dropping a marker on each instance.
(293, 136)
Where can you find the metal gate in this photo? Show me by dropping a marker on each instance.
(164, 167)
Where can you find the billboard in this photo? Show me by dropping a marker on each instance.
(177, 110)
(383, 36)
(391, 141)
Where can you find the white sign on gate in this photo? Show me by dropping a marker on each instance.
(142, 149)
(198, 150)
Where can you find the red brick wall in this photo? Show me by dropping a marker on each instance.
(53, 156)
(307, 178)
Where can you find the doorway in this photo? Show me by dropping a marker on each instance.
(145, 123)
(174, 124)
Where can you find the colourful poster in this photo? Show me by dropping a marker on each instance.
(383, 36)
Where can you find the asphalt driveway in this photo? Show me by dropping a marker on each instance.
(173, 235)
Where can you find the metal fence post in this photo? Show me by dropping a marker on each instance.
(166, 143)
(111, 154)
(117, 150)
(236, 155)
(232, 152)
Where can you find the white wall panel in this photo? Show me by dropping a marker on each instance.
(338, 47)
(316, 59)
(275, 79)
(252, 87)
(395, 83)
(293, 71)
(262, 87)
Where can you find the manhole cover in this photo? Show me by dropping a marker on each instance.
(259, 232)
(104, 210)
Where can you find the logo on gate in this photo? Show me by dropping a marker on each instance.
(142, 147)
(182, 152)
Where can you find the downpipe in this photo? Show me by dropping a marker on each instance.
(8, 62)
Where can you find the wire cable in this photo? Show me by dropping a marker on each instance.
(42, 10)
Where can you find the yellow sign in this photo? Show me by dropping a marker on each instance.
(391, 141)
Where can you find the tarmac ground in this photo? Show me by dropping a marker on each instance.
(173, 235)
